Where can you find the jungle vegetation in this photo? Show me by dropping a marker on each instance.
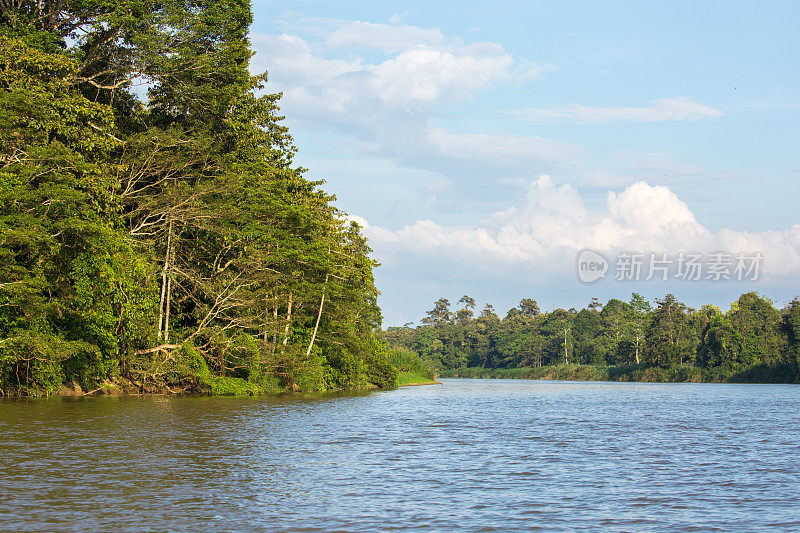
(633, 340)
(153, 226)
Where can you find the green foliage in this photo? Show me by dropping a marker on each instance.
(206, 382)
(634, 373)
(130, 228)
(791, 328)
(405, 360)
(381, 371)
(34, 364)
(410, 368)
(405, 379)
(628, 341)
(230, 386)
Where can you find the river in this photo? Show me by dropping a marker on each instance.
(467, 455)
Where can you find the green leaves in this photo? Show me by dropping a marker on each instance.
(127, 222)
(753, 341)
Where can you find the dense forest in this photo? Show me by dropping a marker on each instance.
(154, 231)
(635, 340)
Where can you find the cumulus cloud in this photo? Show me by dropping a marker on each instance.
(385, 86)
(661, 110)
(424, 74)
(423, 67)
(552, 224)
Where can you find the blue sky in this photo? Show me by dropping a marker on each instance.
(482, 147)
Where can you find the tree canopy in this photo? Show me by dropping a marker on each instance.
(153, 225)
(753, 340)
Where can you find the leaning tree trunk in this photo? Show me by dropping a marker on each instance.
(319, 315)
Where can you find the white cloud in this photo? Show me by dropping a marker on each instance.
(399, 17)
(385, 37)
(498, 148)
(423, 75)
(423, 68)
(552, 225)
(388, 88)
(661, 110)
(389, 102)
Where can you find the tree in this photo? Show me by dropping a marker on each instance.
(751, 342)
(612, 340)
(666, 333)
(152, 239)
(529, 307)
(587, 331)
(481, 338)
(557, 330)
(440, 314)
(757, 324)
(72, 292)
(791, 328)
(636, 323)
(488, 312)
(468, 301)
(465, 314)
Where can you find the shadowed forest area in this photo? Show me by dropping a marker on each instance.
(624, 341)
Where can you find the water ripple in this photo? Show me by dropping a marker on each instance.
(467, 455)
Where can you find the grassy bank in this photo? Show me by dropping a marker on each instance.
(677, 374)
(407, 379)
(411, 370)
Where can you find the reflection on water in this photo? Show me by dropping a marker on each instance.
(468, 455)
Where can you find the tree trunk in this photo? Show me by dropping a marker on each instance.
(169, 285)
(274, 324)
(164, 283)
(166, 316)
(265, 341)
(288, 321)
(319, 315)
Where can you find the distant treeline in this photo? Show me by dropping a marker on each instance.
(633, 340)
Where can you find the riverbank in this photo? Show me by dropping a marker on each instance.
(213, 387)
(413, 379)
(411, 370)
(400, 369)
(782, 373)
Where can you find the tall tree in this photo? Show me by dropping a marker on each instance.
(465, 314)
(440, 314)
(529, 307)
(636, 323)
(666, 333)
